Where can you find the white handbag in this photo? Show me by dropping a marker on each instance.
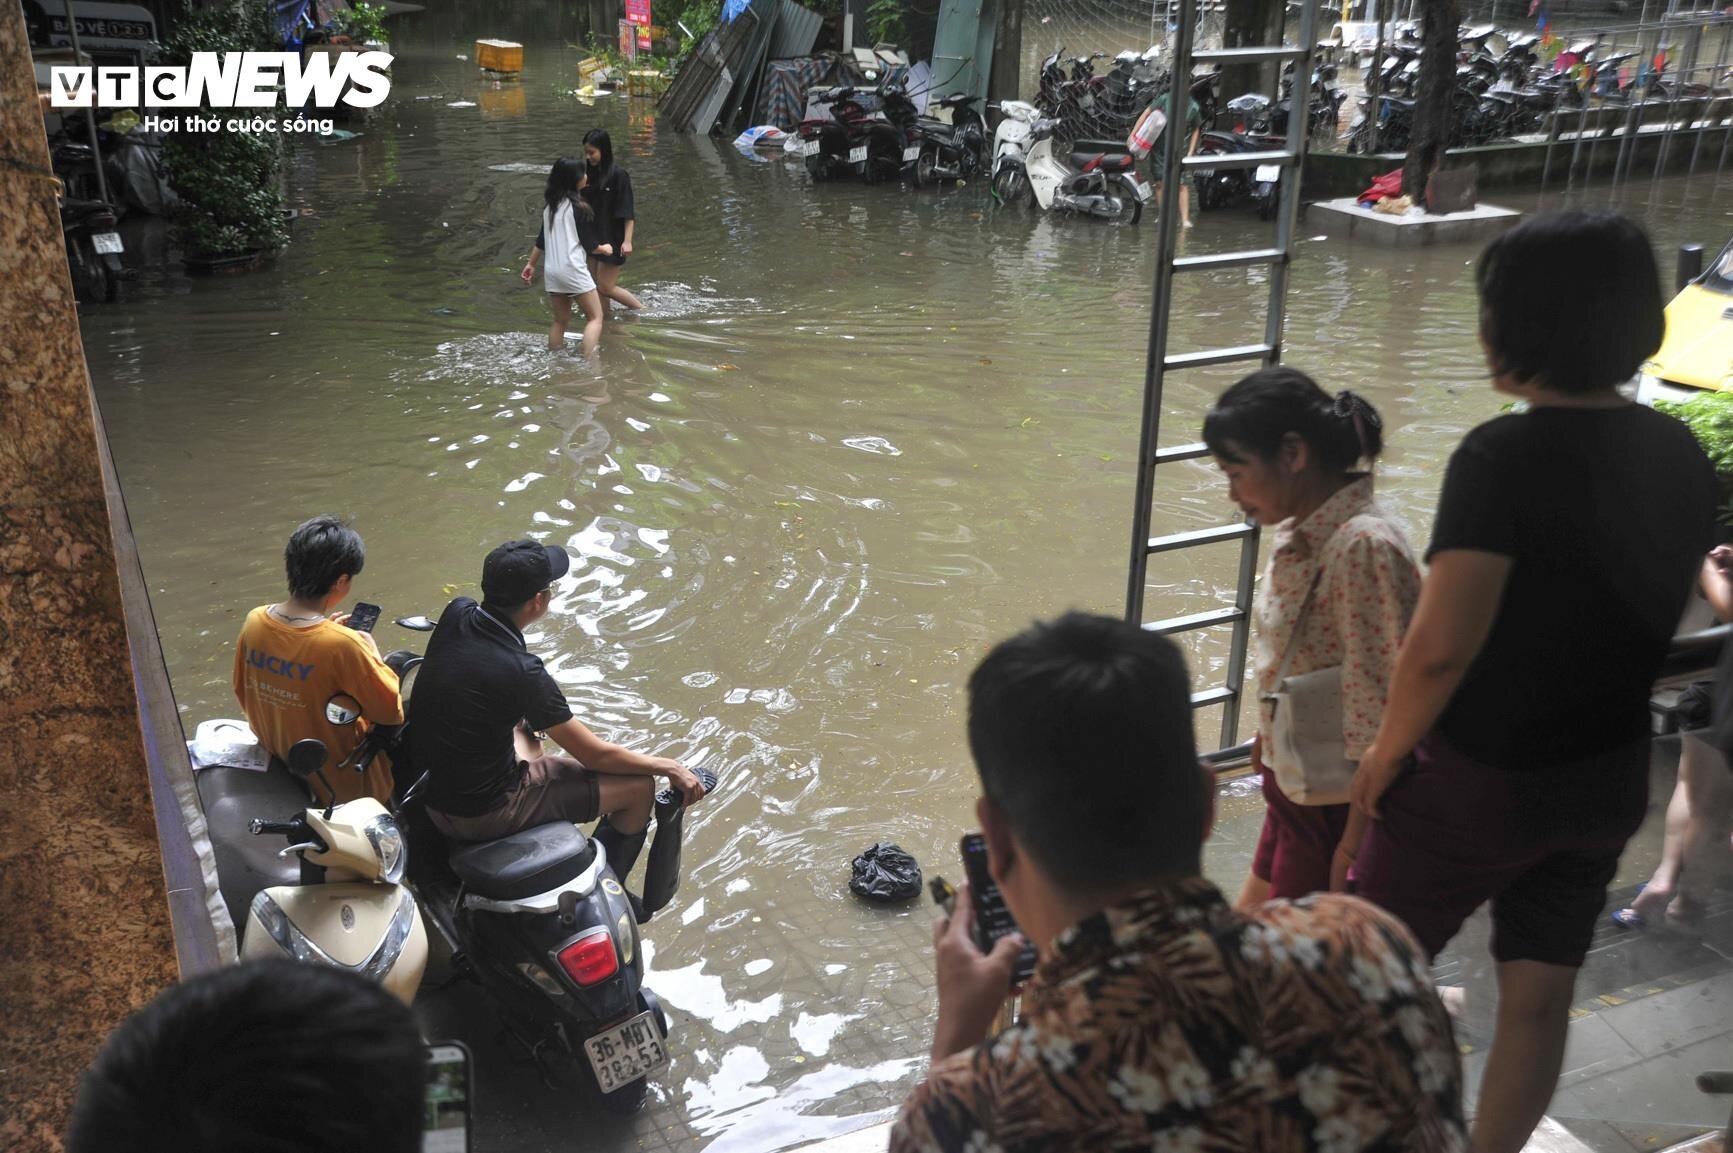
(1306, 751)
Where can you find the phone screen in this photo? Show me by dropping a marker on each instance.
(363, 617)
(993, 917)
(445, 1127)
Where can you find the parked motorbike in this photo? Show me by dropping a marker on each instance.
(933, 149)
(836, 147)
(1100, 179)
(345, 906)
(541, 922)
(1225, 187)
(93, 249)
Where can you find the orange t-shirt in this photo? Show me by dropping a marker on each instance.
(284, 675)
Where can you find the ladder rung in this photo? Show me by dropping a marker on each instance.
(1179, 540)
(1213, 696)
(1238, 159)
(1195, 621)
(1180, 452)
(1230, 259)
(1217, 356)
(1246, 55)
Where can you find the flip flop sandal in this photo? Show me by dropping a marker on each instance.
(1629, 918)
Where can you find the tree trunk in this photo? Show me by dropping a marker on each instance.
(1003, 83)
(1250, 24)
(1430, 136)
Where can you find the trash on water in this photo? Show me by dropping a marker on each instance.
(886, 873)
(761, 134)
(461, 104)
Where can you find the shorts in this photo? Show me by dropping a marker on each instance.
(1297, 841)
(617, 260)
(552, 788)
(1540, 844)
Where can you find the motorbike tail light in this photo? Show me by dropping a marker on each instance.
(590, 959)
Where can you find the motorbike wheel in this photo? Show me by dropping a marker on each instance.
(1267, 203)
(1130, 207)
(627, 1099)
(90, 280)
(1011, 188)
(818, 166)
(111, 281)
(924, 165)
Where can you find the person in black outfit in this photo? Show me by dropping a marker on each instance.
(609, 193)
(1512, 763)
(480, 697)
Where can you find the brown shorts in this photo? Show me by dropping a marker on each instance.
(552, 788)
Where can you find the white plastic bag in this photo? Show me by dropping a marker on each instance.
(1146, 131)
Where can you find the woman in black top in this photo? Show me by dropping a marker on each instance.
(609, 192)
(1511, 765)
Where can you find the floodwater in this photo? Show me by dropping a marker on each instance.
(856, 435)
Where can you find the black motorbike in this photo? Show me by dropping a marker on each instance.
(540, 921)
(934, 150)
(93, 249)
(1253, 132)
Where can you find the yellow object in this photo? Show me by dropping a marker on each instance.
(589, 68)
(1698, 349)
(645, 83)
(499, 55)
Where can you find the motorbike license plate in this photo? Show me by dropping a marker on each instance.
(1267, 173)
(1144, 190)
(809, 147)
(857, 155)
(106, 241)
(627, 1052)
(912, 152)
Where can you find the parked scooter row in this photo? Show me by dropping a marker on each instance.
(1094, 178)
(537, 919)
(893, 137)
(87, 225)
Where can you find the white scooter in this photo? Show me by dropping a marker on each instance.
(350, 910)
(1100, 180)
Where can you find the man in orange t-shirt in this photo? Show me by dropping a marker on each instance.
(292, 658)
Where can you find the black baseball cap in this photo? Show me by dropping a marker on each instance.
(519, 569)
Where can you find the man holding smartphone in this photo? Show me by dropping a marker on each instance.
(1158, 1017)
(294, 656)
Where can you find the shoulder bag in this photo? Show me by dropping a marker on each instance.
(1306, 751)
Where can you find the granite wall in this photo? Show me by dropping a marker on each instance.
(84, 928)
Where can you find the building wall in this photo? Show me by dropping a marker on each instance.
(85, 935)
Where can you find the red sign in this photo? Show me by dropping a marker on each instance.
(638, 12)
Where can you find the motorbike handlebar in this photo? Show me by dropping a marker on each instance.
(280, 828)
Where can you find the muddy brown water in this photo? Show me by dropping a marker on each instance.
(856, 435)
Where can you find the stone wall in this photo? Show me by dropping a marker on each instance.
(84, 928)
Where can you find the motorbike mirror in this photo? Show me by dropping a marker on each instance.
(306, 757)
(417, 623)
(342, 709)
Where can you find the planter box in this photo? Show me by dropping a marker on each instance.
(499, 55)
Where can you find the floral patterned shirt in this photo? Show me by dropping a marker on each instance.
(1357, 616)
(1173, 1023)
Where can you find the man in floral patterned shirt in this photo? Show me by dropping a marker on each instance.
(1158, 1017)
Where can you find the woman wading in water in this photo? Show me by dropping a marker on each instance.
(568, 232)
(609, 194)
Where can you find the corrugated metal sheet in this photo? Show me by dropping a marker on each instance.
(796, 31)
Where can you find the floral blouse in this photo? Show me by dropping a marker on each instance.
(1357, 615)
(1173, 1023)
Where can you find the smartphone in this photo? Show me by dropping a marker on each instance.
(445, 1125)
(363, 617)
(992, 917)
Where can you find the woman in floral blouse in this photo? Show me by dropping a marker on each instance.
(1339, 588)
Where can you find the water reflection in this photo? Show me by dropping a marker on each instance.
(855, 435)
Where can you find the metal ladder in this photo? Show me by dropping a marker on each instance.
(1160, 361)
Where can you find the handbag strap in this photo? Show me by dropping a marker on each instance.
(1299, 623)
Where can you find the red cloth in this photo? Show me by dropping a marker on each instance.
(1386, 187)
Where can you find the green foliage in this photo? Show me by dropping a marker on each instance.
(700, 16)
(1709, 416)
(229, 183)
(884, 21)
(361, 23)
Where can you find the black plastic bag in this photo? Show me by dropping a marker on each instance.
(886, 873)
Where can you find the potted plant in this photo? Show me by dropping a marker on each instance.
(231, 212)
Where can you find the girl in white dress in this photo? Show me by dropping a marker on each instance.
(568, 235)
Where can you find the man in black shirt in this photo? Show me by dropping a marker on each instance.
(480, 697)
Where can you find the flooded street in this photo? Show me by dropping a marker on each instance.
(856, 435)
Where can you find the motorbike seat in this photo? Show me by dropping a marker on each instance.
(535, 860)
(246, 864)
(1100, 145)
(1097, 161)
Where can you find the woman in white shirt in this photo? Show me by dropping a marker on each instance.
(568, 235)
